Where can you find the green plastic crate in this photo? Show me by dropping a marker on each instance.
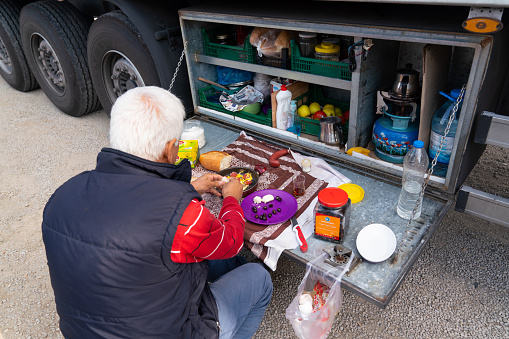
(331, 69)
(312, 126)
(244, 53)
(206, 92)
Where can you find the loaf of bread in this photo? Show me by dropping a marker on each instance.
(256, 36)
(215, 161)
(283, 41)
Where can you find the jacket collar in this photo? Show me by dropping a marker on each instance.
(113, 161)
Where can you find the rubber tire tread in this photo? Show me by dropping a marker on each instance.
(22, 77)
(72, 30)
(146, 68)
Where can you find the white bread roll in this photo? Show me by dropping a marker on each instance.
(215, 161)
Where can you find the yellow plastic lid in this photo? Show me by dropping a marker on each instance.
(358, 150)
(355, 192)
(327, 47)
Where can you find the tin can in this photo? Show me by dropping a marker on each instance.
(332, 214)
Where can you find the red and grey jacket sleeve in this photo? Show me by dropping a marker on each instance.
(200, 235)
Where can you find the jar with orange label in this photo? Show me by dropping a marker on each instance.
(332, 214)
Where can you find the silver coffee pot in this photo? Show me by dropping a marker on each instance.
(330, 131)
(406, 84)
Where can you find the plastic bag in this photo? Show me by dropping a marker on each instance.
(326, 296)
(228, 76)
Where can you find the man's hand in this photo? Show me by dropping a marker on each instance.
(233, 189)
(207, 183)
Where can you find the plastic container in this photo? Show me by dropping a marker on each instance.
(209, 98)
(438, 125)
(283, 98)
(290, 118)
(307, 43)
(244, 53)
(327, 51)
(193, 130)
(332, 214)
(415, 165)
(331, 69)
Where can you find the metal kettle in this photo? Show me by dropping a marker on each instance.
(330, 131)
(407, 83)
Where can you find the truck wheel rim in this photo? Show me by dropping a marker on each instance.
(5, 61)
(119, 74)
(48, 64)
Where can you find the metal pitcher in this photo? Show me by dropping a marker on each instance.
(407, 83)
(330, 131)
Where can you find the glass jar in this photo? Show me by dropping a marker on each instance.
(223, 39)
(332, 214)
(327, 51)
(307, 43)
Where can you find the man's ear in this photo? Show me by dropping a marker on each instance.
(171, 151)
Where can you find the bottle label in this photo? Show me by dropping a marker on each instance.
(434, 143)
(327, 226)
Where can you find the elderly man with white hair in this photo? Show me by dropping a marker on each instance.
(133, 252)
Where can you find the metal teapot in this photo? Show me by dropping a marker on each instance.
(331, 132)
(407, 83)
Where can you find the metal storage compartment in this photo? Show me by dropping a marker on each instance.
(446, 58)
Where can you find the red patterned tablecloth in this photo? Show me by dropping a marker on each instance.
(248, 152)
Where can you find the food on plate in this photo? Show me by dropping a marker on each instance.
(257, 200)
(276, 155)
(267, 198)
(245, 179)
(215, 161)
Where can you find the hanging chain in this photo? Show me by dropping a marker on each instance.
(178, 65)
(411, 232)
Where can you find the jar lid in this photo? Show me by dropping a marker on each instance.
(331, 40)
(332, 197)
(327, 47)
(355, 192)
(307, 35)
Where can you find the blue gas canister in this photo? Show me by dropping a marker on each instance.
(438, 125)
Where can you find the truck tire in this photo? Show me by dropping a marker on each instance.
(54, 36)
(118, 58)
(13, 64)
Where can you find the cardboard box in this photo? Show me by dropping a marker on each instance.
(188, 149)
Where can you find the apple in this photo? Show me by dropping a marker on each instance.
(319, 115)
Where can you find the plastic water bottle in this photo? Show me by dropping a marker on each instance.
(283, 98)
(290, 118)
(415, 165)
(438, 125)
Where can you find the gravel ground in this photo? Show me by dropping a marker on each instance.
(457, 288)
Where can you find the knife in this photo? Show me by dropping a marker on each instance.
(300, 236)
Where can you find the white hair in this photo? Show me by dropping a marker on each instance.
(144, 119)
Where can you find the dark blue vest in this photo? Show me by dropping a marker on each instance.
(108, 236)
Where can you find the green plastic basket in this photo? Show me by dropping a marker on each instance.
(244, 53)
(312, 126)
(204, 95)
(331, 69)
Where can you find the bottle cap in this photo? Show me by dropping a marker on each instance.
(332, 197)
(455, 93)
(355, 192)
(307, 35)
(418, 144)
(283, 87)
(327, 47)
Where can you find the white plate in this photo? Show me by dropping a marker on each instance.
(376, 242)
